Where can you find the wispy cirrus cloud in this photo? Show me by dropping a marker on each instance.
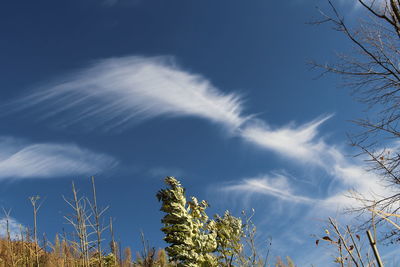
(298, 142)
(20, 159)
(349, 177)
(276, 186)
(118, 92)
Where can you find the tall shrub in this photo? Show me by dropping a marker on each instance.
(191, 235)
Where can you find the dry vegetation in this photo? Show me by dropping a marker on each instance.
(84, 247)
(223, 241)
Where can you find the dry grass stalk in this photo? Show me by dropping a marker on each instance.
(97, 225)
(36, 206)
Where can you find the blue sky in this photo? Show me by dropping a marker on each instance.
(217, 93)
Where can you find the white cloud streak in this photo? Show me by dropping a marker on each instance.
(348, 175)
(19, 159)
(118, 92)
(290, 141)
(277, 187)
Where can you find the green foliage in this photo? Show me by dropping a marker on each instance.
(186, 227)
(229, 235)
(196, 240)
